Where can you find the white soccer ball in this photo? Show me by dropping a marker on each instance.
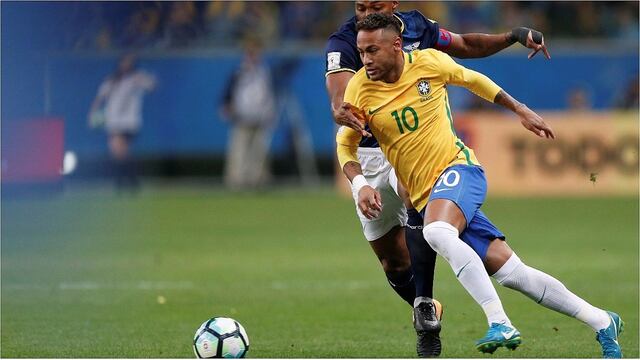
(221, 337)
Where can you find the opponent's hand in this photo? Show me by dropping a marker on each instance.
(369, 202)
(536, 44)
(534, 123)
(351, 116)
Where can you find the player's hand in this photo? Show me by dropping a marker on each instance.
(536, 44)
(369, 202)
(534, 123)
(351, 116)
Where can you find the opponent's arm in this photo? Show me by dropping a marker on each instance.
(476, 45)
(343, 113)
(98, 101)
(369, 199)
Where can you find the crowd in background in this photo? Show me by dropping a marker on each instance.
(192, 24)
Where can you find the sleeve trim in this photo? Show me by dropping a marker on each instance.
(339, 70)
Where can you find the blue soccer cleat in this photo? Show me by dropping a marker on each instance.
(608, 337)
(499, 335)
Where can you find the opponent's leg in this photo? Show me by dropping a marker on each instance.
(423, 257)
(427, 312)
(392, 252)
(511, 272)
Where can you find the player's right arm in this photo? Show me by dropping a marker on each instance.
(99, 100)
(369, 199)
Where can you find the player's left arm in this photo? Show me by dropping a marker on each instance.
(484, 87)
(477, 45)
(529, 119)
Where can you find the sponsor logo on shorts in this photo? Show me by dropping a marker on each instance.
(435, 191)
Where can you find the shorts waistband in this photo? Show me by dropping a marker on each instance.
(370, 151)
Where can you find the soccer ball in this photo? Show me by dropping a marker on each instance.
(220, 337)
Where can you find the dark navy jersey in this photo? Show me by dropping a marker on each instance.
(418, 32)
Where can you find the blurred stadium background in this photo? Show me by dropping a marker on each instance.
(89, 272)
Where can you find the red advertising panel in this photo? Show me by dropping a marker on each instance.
(32, 150)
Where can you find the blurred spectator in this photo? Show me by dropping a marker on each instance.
(221, 21)
(144, 27)
(579, 99)
(118, 106)
(182, 26)
(627, 20)
(298, 15)
(630, 98)
(118, 25)
(264, 17)
(249, 104)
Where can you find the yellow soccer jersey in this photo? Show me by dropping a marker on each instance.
(412, 120)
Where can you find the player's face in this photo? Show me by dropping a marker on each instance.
(364, 8)
(378, 50)
(127, 63)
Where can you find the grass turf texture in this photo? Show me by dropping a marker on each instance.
(85, 275)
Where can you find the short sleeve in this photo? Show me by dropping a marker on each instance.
(340, 56)
(351, 93)
(430, 31)
(459, 75)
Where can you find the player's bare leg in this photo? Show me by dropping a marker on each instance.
(124, 172)
(444, 221)
(118, 146)
(392, 252)
(507, 268)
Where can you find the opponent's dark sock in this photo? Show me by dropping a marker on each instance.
(423, 257)
(403, 284)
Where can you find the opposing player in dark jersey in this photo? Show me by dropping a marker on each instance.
(408, 264)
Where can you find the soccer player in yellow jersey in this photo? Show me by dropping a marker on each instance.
(403, 99)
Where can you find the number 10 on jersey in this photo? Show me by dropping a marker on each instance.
(402, 119)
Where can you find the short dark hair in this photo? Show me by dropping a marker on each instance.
(377, 21)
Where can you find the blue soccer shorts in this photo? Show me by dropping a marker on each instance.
(466, 186)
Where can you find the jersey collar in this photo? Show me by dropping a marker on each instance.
(401, 22)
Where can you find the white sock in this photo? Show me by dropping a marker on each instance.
(468, 267)
(549, 292)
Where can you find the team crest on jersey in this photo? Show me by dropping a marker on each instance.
(424, 89)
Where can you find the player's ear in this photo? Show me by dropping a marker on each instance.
(397, 44)
(394, 5)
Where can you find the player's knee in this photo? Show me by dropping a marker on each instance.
(438, 233)
(512, 274)
(395, 264)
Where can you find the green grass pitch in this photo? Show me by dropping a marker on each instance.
(85, 275)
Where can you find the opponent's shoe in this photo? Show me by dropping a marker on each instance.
(608, 337)
(427, 314)
(499, 335)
